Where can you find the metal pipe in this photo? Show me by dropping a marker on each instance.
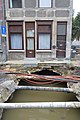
(40, 105)
(56, 89)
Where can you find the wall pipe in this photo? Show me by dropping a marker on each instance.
(40, 105)
(56, 89)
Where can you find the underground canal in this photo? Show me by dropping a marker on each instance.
(20, 96)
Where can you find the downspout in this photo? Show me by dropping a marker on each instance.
(4, 56)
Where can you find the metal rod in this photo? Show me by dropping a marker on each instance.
(40, 105)
(56, 89)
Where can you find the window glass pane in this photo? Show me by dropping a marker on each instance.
(61, 38)
(30, 33)
(61, 29)
(44, 41)
(44, 3)
(15, 3)
(30, 44)
(16, 41)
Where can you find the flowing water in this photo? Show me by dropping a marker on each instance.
(41, 114)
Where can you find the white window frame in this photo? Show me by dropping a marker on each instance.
(45, 3)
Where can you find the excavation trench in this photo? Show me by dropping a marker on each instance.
(22, 96)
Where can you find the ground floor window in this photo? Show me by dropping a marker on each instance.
(16, 36)
(44, 35)
(16, 41)
(44, 41)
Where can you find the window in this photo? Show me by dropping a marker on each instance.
(44, 41)
(16, 36)
(61, 29)
(44, 35)
(30, 33)
(16, 41)
(30, 43)
(44, 3)
(15, 3)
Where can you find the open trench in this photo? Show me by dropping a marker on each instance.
(19, 96)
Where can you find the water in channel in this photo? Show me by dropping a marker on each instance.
(41, 114)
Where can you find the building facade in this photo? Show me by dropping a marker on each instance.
(39, 29)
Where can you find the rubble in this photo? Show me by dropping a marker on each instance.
(76, 88)
(8, 82)
(7, 87)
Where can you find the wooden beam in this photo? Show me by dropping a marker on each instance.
(40, 105)
(56, 89)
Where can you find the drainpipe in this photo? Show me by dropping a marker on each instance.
(4, 56)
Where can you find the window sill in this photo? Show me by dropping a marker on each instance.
(43, 50)
(15, 50)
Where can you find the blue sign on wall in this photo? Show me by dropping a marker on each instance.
(3, 29)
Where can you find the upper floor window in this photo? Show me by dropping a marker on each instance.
(15, 3)
(44, 3)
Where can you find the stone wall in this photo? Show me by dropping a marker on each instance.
(62, 3)
(31, 9)
(62, 13)
(15, 56)
(30, 3)
(7, 87)
(42, 56)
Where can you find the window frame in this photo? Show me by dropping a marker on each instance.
(44, 23)
(45, 6)
(12, 24)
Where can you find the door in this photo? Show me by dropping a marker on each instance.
(61, 39)
(30, 40)
(61, 47)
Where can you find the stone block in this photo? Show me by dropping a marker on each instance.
(30, 13)
(62, 3)
(61, 13)
(30, 3)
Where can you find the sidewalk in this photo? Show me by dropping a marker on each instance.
(36, 62)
